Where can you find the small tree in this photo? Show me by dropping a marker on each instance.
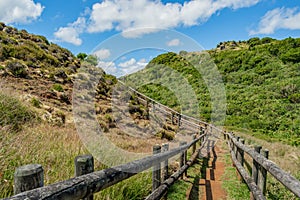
(92, 59)
(81, 56)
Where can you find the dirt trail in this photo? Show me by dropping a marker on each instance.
(208, 185)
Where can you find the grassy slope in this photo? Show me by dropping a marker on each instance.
(262, 82)
(36, 82)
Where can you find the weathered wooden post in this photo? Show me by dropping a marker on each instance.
(156, 172)
(147, 109)
(194, 145)
(183, 157)
(263, 173)
(242, 159)
(236, 148)
(84, 164)
(179, 120)
(165, 148)
(28, 177)
(172, 118)
(153, 106)
(255, 167)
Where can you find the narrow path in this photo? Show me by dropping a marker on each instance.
(208, 184)
(212, 171)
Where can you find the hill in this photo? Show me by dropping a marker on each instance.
(261, 78)
(37, 81)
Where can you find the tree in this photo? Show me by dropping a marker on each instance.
(82, 56)
(92, 59)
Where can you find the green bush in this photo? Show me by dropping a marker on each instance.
(17, 69)
(57, 87)
(35, 102)
(13, 113)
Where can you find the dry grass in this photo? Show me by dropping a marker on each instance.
(285, 156)
(53, 147)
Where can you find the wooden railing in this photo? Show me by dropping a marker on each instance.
(84, 186)
(261, 166)
(88, 182)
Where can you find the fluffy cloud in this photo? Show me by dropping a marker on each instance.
(102, 54)
(108, 67)
(279, 18)
(173, 43)
(124, 15)
(123, 68)
(19, 11)
(132, 66)
(71, 33)
(138, 17)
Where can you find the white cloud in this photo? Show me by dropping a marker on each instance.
(279, 18)
(124, 15)
(173, 43)
(102, 54)
(123, 68)
(71, 33)
(138, 17)
(131, 66)
(108, 67)
(19, 11)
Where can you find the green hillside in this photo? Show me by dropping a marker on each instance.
(261, 78)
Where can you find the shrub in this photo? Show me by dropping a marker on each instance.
(35, 102)
(58, 88)
(13, 113)
(17, 69)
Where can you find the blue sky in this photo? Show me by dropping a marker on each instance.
(87, 25)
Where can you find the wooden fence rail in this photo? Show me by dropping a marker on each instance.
(85, 185)
(261, 165)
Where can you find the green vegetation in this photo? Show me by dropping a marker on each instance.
(81, 56)
(13, 113)
(235, 189)
(58, 87)
(17, 69)
(262, 83)
(35, 102)
(20, 50)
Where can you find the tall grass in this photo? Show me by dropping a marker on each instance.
(24, 141)
(13, 113)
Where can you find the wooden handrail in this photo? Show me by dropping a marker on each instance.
(82, 186)
(290, 182)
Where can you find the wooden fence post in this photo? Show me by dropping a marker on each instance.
(236, 151)
(255, 167)
(263, 173)
(84, 164)
(172, 118)
(242, 159)
(194, 145)
(182, 157)
(28, 177)
(156, 172)
(165, 147)
(179, 120)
